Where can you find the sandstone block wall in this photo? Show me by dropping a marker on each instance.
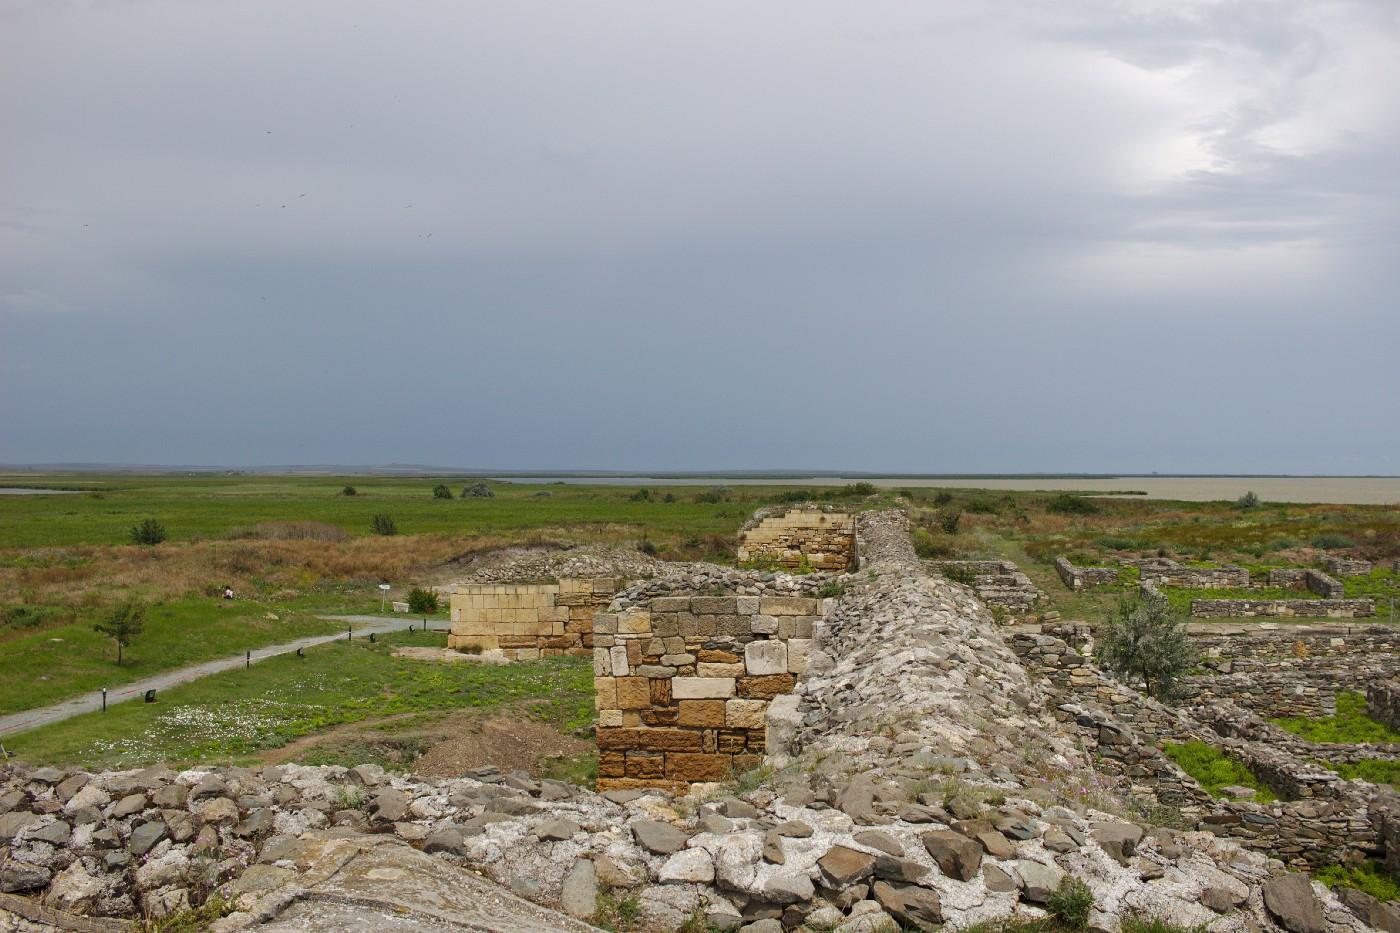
(683, 684)
(821, 540)
(1083, 578)
(1307, 608)
(525, 621)
(1305, 578)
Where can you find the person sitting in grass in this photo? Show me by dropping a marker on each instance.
(228, 592)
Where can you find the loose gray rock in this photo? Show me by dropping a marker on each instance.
(579, 895)
(909, 905)
(1289, 898)
(1376, 913)
(1119, 840)
(1038, 881)
(846, 866)
(658, 837)
(129, 805)
(55, 833)
(144, 837)
(958, 856)
(448, 840)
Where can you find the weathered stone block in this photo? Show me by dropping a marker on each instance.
(764, 687)
(633, 693)
(744, 714)
(703, 688)
(697, 767)
(702, 713)
(766, 657)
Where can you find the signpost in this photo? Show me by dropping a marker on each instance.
(383, 595)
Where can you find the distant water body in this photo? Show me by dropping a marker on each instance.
(24, 491)
(1353, 490)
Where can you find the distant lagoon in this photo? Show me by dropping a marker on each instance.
(26, 491)
(1351, 490)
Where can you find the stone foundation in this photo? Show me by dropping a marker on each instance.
(1160, 571)
(1083, 578)
(996, 583)
(1383, 703)
(1314, 581)
(684, 683)
(1307, 608)
(1348, 566)
(801, 538)
(525, 621)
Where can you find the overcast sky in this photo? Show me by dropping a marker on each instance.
(992, 235)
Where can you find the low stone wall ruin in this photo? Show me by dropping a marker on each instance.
(996, 583)
(1383, 703)
(1161, 571)
(1306, 578)
(683, 684)
(1282, 608)
(1349, 566)
(1083, 578)
(800, 537)
(526, 621)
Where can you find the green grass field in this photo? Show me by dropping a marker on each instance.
(1351, 724)
(43, 667)
(197, 507)
(1214, 770)
(230, 717)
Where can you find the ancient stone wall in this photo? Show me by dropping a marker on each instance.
(1163, 572)
(683, 684)
(1383, 702)
(1083, 578)
(1284, 608)
(1348, 566)
(801, 537)
(996, 583)
(525, 621)
(1306, 578)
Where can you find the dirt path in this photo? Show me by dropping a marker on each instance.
(91, 702)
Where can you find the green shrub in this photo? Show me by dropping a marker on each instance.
(641, 495)
(851, 490)
(1145, 641)
(1247, 501)
(928, 546)
(422, 601)
(983, 507)
(149, 532)
(1071, 903)
(477, 491)
(440, 491)
(1213, 769)
(21, 616)
(1135, 922)
(648, 548)
(348, 491)
(1067, 504)
(948, 521)
(382, 524)
(669, 497)
(958, 574)
(831, 589)
(1332, 542)
(712, 496)
(943, 497)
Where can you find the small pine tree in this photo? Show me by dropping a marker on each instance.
(149, 532)
(383, 525)
(123, 624)
(440, 491)
(1145, 642)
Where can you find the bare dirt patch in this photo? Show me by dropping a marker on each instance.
(440, 745)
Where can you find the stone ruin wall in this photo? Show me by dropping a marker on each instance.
(526, 621)
(684, 683)
(1349, 566)
(1283, 608)
(1160, 571)
(1383, 703)
(996, 582)
(820, 540)
(1319, 819)
(1083, 578)
(1305, 578)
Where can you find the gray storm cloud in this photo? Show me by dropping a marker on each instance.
(1001, 236)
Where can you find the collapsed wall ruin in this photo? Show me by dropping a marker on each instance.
(526, 621)
(1283, 608)
(1162, 571)
(1306, 578)
(800, 538)
(996, 582)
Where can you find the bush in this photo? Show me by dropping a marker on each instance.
(23, 616)
(983, 507)
(477, 491)
(926, 545)
(857, 489)
(669, 497)
(149, 532)
(348, 491)
(440, 491)
(1332, 542)
(422, 602)
(943, 497)
(1145, 641)
(641, 495)
(1247, 501)
(957, 574)
(383, 525)
(647, 547)
(831, 590)
(1071, 903)
(712, 496)
(1066, 504)
(948, 521)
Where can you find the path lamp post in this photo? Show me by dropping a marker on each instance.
(104, 699)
